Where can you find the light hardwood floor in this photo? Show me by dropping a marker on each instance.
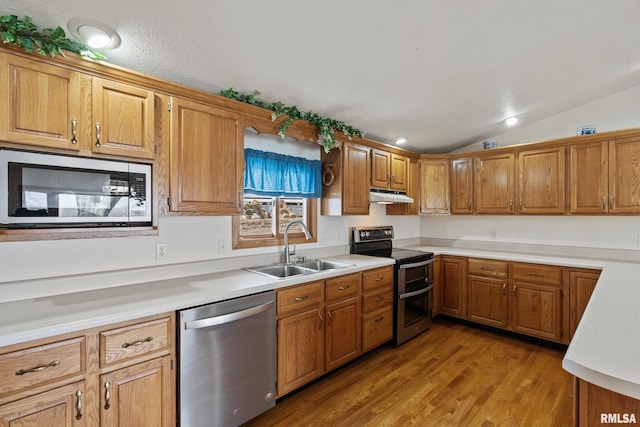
(452, 375)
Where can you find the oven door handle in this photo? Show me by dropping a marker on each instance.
(416, 264)
(418, 292)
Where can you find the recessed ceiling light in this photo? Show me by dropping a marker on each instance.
(511, 121)
(94, 33)
(399, 140)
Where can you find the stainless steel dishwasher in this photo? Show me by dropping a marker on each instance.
(227, 368)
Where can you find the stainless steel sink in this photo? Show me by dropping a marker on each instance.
(322, 265)
(283, 271)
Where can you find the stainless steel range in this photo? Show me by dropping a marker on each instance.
(413, 286)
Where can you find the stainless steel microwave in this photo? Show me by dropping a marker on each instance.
(40, 190)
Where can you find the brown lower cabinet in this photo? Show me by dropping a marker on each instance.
(119, 375)
(543, 301)
(596, 406)
(326, 323)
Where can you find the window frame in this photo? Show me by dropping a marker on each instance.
(311, 221)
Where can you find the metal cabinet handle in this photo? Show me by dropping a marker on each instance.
(535, 274)
(74, 131)
(342, 288)
(379, 319)
(469, 205)
(510, 204)
(514, 290)
(37, 368)
(98, 127)
(140, 342)
(79, 405)
(520, 204)
(380, 298)
(486, 268)
(504, 288)
(379, 278)
(319, 321)
(604, 203)
(107, 395)
(328, 317)
(611, 199)
(302, 298)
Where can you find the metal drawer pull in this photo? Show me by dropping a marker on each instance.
(379, 319)
(486, 268)
(298, 299)
(37, 368)
(98, 126)
(74, 131)
(342, 288)
(380, 298)
(535, 274)
(379, 278)
(140, 342)
(107, 395)
(79, 405)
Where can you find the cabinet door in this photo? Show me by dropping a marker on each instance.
(399, 167)
(437, 285)
(487, 301)
(342, 332)
(123, 120)
(581, 286)
(413, 177)
(495, 184)
(40, 103)
(537, 310)
(206, 160)
(61, 407)
(541, 183)
(624, 175)
(380, 168)
(589, 177)
(377, 328)
(138, 396)
(462, 186)
(356, 171)
(300, 350)
(593, 402)
(453, 279)
(434, 186)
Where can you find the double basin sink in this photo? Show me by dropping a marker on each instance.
(284, 271)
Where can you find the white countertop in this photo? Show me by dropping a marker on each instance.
(605, 349)
(31, 319)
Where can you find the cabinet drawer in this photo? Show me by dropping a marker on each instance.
(128, 342)
(342, 287)
(377, 278)
(377, 328)
(299, 298)
(487, 268)
(39, 365)
(377, 300)
(538, 273)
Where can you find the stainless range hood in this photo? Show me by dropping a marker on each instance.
(387, 197)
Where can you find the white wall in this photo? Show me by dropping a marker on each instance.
(618, 111)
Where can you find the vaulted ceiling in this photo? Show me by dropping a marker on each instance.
(441, 73)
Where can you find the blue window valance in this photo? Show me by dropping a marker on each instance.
(272, 174)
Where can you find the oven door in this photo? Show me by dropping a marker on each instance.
(414, 301)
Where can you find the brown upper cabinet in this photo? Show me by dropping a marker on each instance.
(494, 179)
(541, 181)
(55, 107)
(206, 159)
(434, 186)
(605, 176)
(388, 170)
(413, 179)
(346, 192)
(462, 186)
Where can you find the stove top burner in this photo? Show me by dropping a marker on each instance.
(376, 241)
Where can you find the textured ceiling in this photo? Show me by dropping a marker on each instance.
(444, 74)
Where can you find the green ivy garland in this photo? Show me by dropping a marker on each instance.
(326, 126)
(25, 34)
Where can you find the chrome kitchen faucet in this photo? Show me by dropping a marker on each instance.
(287, 252)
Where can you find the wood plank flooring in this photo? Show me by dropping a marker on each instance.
(452, 375)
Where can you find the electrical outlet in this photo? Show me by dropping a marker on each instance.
(161, 250)
(222, 246)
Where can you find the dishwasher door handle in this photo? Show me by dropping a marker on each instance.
(230, 317)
